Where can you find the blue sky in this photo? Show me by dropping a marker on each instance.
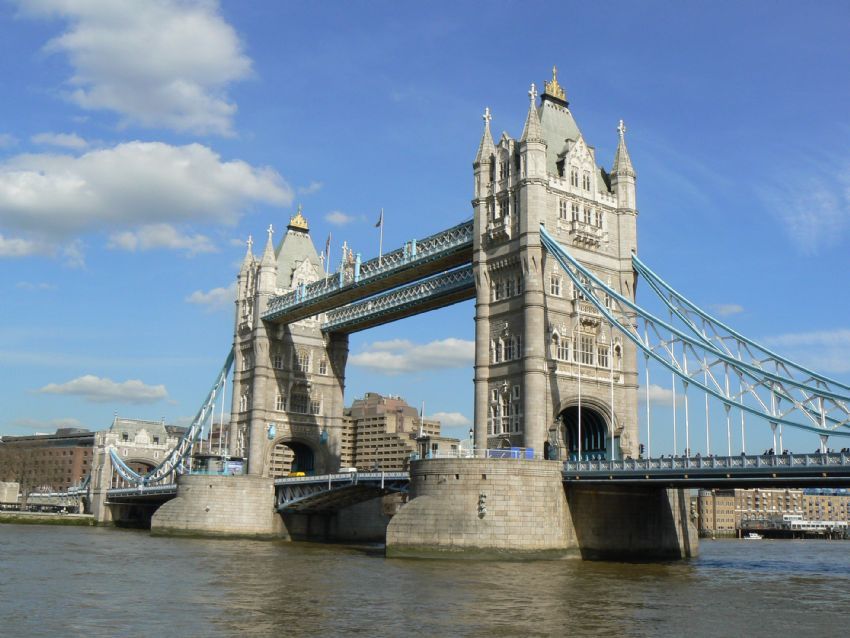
(142, 142)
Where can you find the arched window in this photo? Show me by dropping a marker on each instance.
(574, 177)
(300, 401)
(564, 349)
(302, 360)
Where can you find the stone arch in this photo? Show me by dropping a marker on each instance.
(598, 437)
(287, 454)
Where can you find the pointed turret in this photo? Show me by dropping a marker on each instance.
(268, 253)
(268, 267)
(623, 174)
(484, 164)
(622, 161)
(531, 131)
(486, 149)
(248, 261)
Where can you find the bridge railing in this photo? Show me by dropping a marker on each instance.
(514, 453)
(142, 490)
(342, 477)
(739, 462)
(421, 250)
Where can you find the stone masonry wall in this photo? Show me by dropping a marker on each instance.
(220, 506)
(632, 522)
(524, 509)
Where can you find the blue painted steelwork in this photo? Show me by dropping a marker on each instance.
(716, 471)
(705, 359)
(397, 267)
(422, 295)
(176, 458)
(141, 491)
(329, 492)
(719, 334)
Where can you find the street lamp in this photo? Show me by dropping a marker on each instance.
(471, 443)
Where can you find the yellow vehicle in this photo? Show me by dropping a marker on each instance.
(296, 474)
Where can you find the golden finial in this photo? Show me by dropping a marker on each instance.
(553, 88)
(298, 222)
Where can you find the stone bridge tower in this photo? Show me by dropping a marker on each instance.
(547, 364)
(288, 379)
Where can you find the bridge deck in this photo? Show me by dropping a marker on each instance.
(782, 470)
(142, 493)
(331, 492)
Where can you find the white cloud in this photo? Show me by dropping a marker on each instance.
(17, 247)
(727, 309)
(215, 298)
(35, 287)
(828, 338)
(132, 183)
(160, 236)
(450, 419)
(7, 140)
(73, 254)
(338, 218)
(658, 395)
(824, 351)
(161, 63)
(399, 356)
(816, 211)
(64, 140)
(102, 390)
(312, 187)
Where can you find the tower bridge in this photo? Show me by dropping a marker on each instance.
(562, 353)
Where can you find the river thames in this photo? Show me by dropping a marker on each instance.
(57, 581)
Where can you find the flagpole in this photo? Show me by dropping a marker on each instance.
(381, 241)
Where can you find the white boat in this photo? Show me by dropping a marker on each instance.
(753, 536)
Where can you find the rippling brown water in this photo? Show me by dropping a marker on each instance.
(100, 582)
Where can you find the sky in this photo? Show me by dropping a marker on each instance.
(142, 142)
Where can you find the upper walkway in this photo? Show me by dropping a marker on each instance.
(416, 260)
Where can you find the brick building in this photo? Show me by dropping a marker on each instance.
(47, 462)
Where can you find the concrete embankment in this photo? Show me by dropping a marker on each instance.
(39, 518)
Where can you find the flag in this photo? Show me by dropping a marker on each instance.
(328, 254)
(380, 222)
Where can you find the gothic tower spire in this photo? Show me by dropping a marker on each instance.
(622, 161)
(623, 173)
(531, 131)
(486, 148)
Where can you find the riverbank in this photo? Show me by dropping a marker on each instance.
(44, 518)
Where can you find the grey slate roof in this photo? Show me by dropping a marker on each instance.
(558, 126)
(294, 248)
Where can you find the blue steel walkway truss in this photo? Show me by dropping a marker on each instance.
(417, 260)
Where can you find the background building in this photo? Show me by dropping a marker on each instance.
(378, 432)
(47, 462)
(381, 433)
(725, 512)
